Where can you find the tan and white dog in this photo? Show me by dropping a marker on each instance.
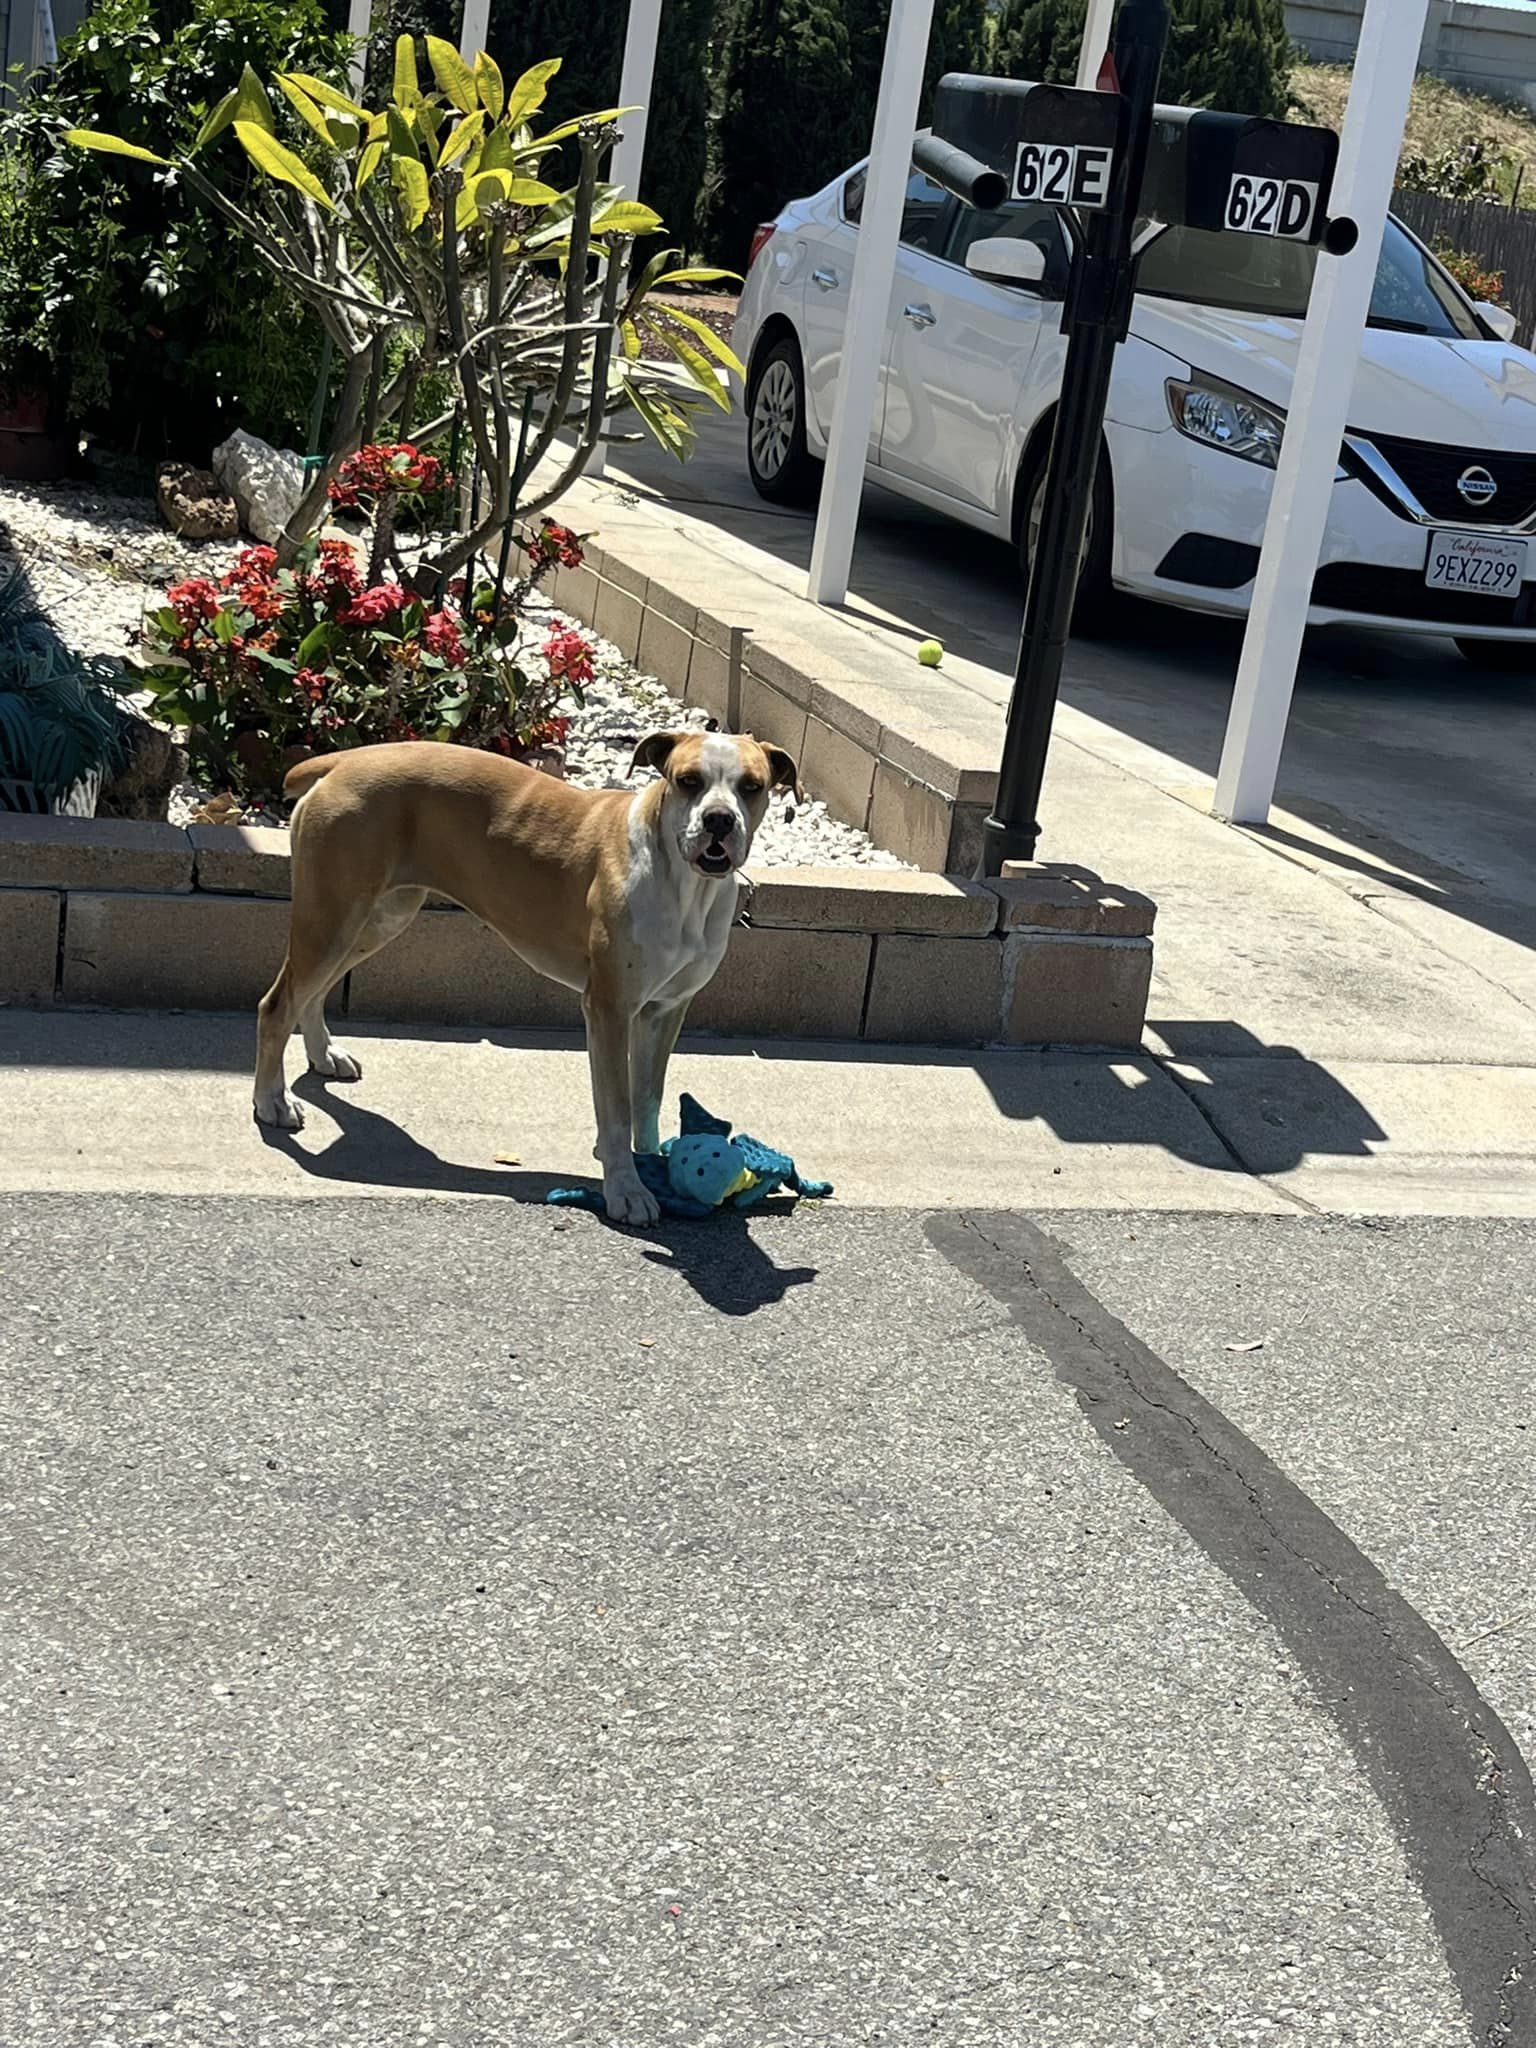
(627, 898)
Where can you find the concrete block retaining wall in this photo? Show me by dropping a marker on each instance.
(128, 915)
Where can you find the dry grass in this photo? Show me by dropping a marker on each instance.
(1440, 117)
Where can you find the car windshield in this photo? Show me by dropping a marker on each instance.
(1260, 274)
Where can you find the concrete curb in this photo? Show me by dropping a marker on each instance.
(129, 915)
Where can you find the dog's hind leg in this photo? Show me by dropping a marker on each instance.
(389, 917)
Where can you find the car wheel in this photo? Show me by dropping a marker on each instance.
(1097, 599)
(782, 467)
(1509, 657)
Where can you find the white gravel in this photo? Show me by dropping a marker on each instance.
(97, 561)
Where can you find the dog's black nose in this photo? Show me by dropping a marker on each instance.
(719, 824)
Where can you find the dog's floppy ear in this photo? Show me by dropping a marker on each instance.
(785, 771)
(653, 751)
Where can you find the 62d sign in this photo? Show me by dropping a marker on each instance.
(1064, 174)
(1272, 206)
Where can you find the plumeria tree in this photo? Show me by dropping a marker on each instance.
(428, 238)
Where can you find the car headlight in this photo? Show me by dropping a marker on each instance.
(1223, 417)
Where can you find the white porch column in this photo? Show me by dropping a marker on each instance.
(1319, 412)
(359, 20)
(477, 19)
(1096, 33)
(869, 297)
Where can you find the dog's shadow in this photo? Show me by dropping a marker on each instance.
(720, 1258)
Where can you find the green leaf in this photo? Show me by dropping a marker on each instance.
(465, 133)
(368, 162)
(223, 625)
(327, 95)
(720, 350)
(498, 153)
(219, 119)
(453, 75)
(626, 217)
(697, 364)
(569, 128)
(316, 641)
(415, 194)
(269, 155)
(253, 104)
(629, 337)
(402, 137)
(530, 91)
(489, 84)
(426, 120)
(306, 110)
(113, 145)
(407, 84)
(669, 426)
(698, 275)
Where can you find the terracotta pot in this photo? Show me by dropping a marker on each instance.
(31, 447)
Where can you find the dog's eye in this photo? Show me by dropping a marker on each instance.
(749, 788)
(692, 784)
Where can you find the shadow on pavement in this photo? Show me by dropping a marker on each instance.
(722, 1260)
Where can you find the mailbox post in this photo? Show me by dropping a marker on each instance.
(1115, 158)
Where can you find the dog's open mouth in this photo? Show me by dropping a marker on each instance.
(713, 859)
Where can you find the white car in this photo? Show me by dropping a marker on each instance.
(1434, 503)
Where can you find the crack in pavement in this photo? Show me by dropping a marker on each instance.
(1443, 1765)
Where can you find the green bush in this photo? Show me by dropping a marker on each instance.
(1230, 54)
(158, 331)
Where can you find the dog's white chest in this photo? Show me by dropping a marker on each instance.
(680, 922)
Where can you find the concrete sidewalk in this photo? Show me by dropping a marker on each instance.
(99, 1101)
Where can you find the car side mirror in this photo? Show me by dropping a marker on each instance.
(1505, 324)
(1006, 259)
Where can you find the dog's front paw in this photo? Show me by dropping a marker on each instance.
(337, 1065)
(280, 1111)
(628, 1200)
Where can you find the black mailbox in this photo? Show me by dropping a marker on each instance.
(1233, 172)
(1238, 173)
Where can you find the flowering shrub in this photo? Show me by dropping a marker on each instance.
(385, 470)
(267, 665)
(1486, 286)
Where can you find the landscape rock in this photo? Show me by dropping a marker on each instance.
(266, 483)
(194, 504)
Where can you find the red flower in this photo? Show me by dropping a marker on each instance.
(311, 683)
(569, 657)
(385, 469)
(196, 598)
(553, 543)
(440, 634)
(254, 562)
(373, 607)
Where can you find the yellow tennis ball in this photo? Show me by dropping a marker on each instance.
(931, 653)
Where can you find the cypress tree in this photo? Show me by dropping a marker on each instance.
(1231, 54)
(801, 81)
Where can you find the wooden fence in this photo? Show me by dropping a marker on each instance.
(1500, 237)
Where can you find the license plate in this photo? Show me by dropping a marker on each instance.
(1476, 564)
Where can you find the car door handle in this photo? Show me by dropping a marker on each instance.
(824, 280)
(920, 316)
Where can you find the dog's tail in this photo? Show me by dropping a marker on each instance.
(308, 773)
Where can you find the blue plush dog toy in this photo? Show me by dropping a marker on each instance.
(704, 1169)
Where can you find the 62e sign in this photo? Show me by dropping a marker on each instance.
(1271, 206)
(1063, 174)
